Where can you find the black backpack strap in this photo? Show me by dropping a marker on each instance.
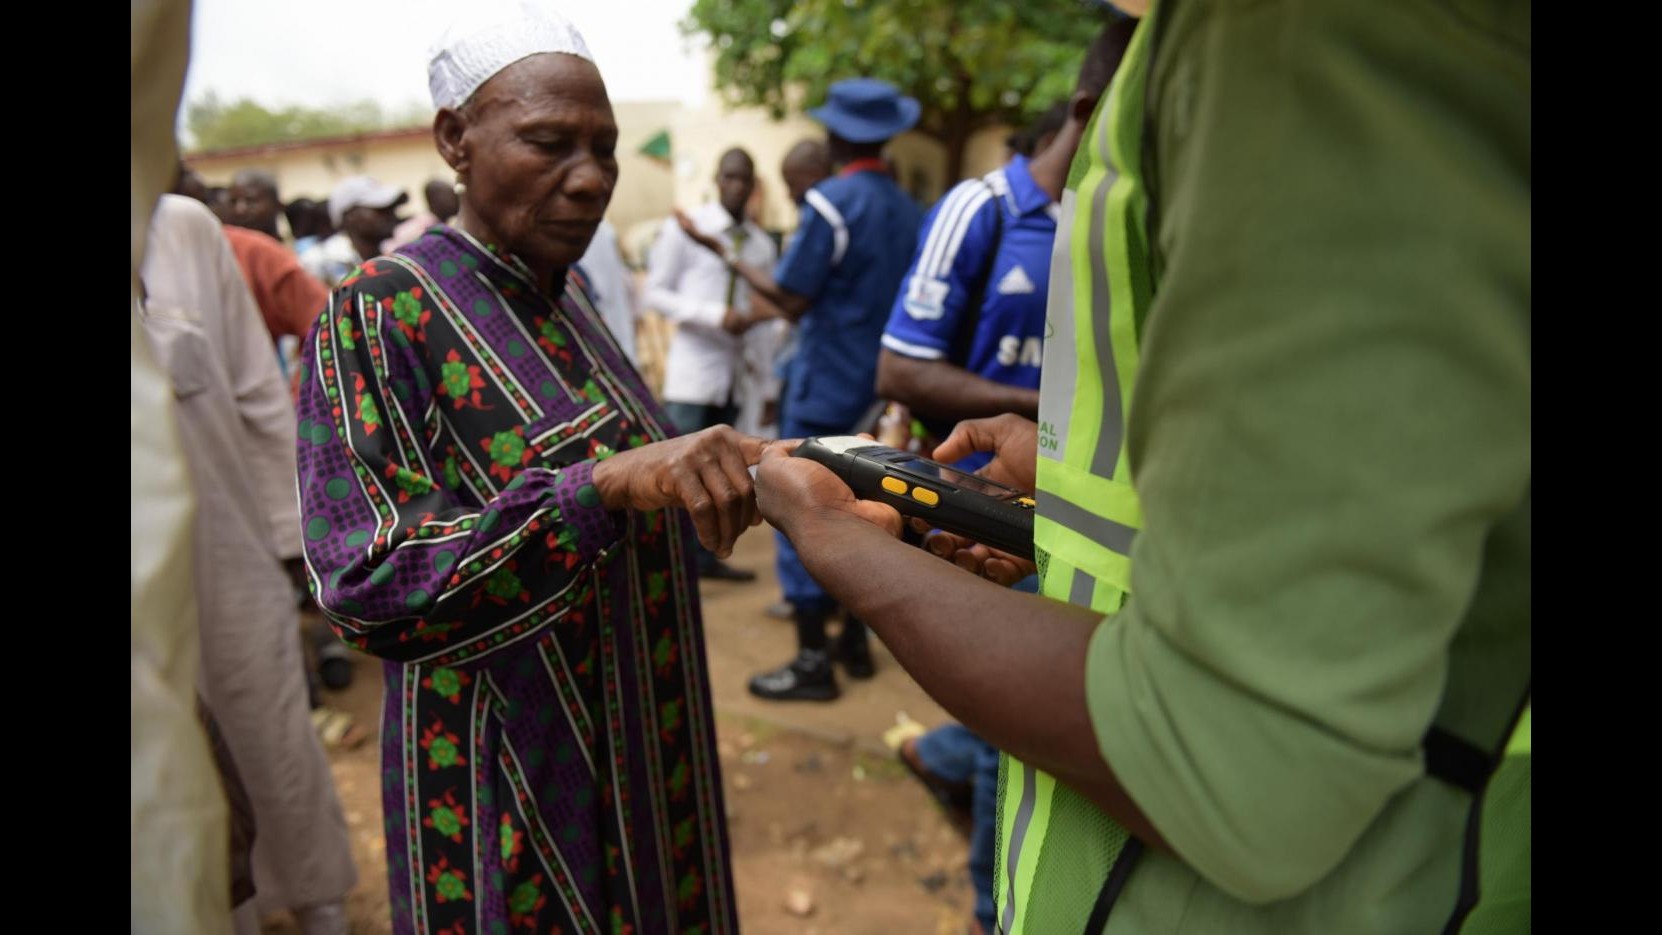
(1452, 759)
(1111, 887)
(1459, 762)
(1469, 878)
(1456, 761)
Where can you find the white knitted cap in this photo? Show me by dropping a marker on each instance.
(488, 36)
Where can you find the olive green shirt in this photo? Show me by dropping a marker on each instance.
(1330, 436)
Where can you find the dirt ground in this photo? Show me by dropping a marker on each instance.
(821, 815)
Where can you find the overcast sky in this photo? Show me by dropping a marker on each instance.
(323, 52)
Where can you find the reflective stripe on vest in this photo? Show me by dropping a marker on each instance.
(1087, 509)
(1088, 513)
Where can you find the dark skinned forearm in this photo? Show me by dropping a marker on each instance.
(1010, 666)
(790, 305)
(946, 391)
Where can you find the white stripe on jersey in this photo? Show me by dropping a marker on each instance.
(839, 228)
(909, 349)
(962, 204)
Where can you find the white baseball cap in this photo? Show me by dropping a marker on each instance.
(362, 191)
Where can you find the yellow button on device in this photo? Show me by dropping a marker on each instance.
(1026, 501)
(925, 496)
(894, 485)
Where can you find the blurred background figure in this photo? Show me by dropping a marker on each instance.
(838, 278)
(237, 427)
(847, 255)
(611, 286)
(441, 208)
(189, 184)
(365, 213)
(219, 202)
(1035, 138)
(713, 310)
(255, 205)
(179, 877)
(309, 220)
(288, 297)
(806, 164)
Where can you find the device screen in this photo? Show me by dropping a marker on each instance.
(951, 475)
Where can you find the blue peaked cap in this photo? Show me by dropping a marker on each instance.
(867, 110)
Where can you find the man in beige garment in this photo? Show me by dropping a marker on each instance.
(179, 875)
(237, 426)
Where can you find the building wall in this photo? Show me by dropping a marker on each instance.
(646, 190)
(645, 186)
(406, 159)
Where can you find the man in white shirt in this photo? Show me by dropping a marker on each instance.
(237, 428)
(714, 311)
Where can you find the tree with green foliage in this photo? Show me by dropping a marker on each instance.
(970, 63)
(214, 124)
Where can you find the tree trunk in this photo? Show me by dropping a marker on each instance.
(959, 123)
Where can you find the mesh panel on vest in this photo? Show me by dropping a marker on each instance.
(999, 879)
(1078, 850)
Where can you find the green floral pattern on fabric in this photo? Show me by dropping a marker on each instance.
(368, 414)
(506, 447)
(407, 308)
(447, 816)
(447, 683)
(454, 375)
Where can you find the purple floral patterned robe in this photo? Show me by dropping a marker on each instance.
(548, 751)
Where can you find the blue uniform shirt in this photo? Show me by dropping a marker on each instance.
(848, 256)
(932, 306)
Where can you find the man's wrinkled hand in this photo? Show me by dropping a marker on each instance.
(707, 473)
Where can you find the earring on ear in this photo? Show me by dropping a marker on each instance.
(461, 186)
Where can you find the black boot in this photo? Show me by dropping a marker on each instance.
(717, 570)
(854, 649)
(334, 661)
(808, 677)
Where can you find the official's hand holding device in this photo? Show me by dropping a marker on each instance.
(943, 496)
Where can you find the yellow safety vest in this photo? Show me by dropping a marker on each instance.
(1056, 851)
